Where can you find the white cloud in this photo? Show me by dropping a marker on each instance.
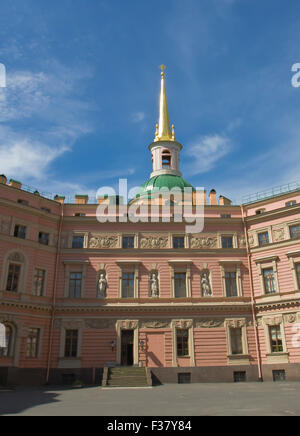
(57, 118)
(205, 152)
(137, 117)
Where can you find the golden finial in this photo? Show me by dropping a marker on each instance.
(163, 133)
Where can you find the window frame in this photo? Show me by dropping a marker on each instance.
(184, 342)
(131, 266)
(29, 342)
(34, 288)
(263, 264)
(180, 266)
(230, 266)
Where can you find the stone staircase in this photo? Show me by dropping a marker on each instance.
(126, 377)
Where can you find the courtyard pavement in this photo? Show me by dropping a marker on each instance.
(241, 399)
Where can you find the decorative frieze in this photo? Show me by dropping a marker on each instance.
(209, 323)
(241, 241)
(278, 234)
(155, 324)
(100, 241)
(204, 242)
(154, 242)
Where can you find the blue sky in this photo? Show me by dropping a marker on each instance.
(81, 101)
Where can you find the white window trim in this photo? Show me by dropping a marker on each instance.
(231, 266)
(237, 359)
(265, 263)
(226, 234)
(23, 274)
(70, 362)
(129, 266)
(45, 280)
(79, 266)
(294, 258)
(181, 266)
(275, 320)
(128, 325)
(263, 230)
(78, 233)
(181, 324)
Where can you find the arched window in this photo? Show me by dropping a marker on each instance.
(166, 159)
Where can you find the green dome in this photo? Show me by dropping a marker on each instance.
(164, 181)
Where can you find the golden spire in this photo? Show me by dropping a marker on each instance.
(163, 130)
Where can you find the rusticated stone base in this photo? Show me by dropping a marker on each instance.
(91, 376)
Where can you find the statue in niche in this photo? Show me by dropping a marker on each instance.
(154, 291)
(102, 285)
(205, 285)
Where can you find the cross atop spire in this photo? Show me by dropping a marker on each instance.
(163, 130)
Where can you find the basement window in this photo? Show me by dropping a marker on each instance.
(279, 375)
(184, 378)
(239, 376)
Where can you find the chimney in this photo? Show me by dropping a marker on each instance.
(3, 179)
(213, 198)
(81, 199)
(199, 197)
(223, 201)
(15, 184)
(60, 199)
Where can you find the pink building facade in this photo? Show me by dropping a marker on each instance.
(78, 296)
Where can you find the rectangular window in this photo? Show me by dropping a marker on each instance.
(46, 209)
(227, 241)
(128, 285)
(291, 203)
(24, 202)
(231, 285)
(178, 242)
(236, 340)
(279, 375)
(276, 339)
(80, 214)
(260, 211)
(295, 232)
(75, 285)
(180, 285)
(78, 242)
(184, 378)
(32, 343)
(14, 271)
(39, 282)
(269, 281)
(263, 238)
(71, 343)
(298, 274)
(44, 238)
(20, 232)
(225, 215)
(128, 242)
(239, 376)
(182, 342)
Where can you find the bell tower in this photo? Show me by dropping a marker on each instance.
(165, 149)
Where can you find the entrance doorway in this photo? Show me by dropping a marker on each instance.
(127, 339)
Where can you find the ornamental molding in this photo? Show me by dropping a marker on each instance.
(241, 241)
(290, 318)
(209, 323)
(155, 324)
(204, 242)
(98, 241)
(278, 234)
(273, 320)
(182, 323)
(236, 323)
(154, 242)
(128, 324)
